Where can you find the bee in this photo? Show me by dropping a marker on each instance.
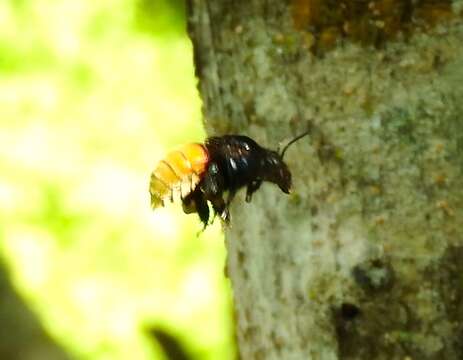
(198, 174)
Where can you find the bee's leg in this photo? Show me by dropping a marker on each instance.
(212, 185)
(203, 211)
(218, 206)
(195, 202)
(222, 207)
(225, 206)
(253, 186)
(189, 203)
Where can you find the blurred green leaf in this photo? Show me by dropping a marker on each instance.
(161, 17)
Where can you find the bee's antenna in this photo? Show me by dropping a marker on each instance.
(293, 141)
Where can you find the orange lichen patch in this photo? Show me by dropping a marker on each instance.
(440, 179)
(380, 220)
(197, 155)
(445, 207)
(305, 12)
(375, 190)
(329, 36)
(431, 14)
(366, 21)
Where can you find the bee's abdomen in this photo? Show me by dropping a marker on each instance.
(178, 174)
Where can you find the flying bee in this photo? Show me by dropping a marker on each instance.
(201, 173)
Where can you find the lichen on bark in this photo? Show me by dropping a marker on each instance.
(357, 263)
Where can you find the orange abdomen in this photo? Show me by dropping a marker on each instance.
(178, 174)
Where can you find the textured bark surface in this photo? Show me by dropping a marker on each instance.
(364, 260)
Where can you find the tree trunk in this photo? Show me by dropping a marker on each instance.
(364, 259)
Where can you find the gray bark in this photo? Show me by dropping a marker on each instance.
(364, 260)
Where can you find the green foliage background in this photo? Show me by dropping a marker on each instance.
(92, 94)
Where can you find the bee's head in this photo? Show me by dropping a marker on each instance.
(276, 171)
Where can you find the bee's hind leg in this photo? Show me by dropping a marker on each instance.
(220, 208)
(195, 202)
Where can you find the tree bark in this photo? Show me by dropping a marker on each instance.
(364, 260)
